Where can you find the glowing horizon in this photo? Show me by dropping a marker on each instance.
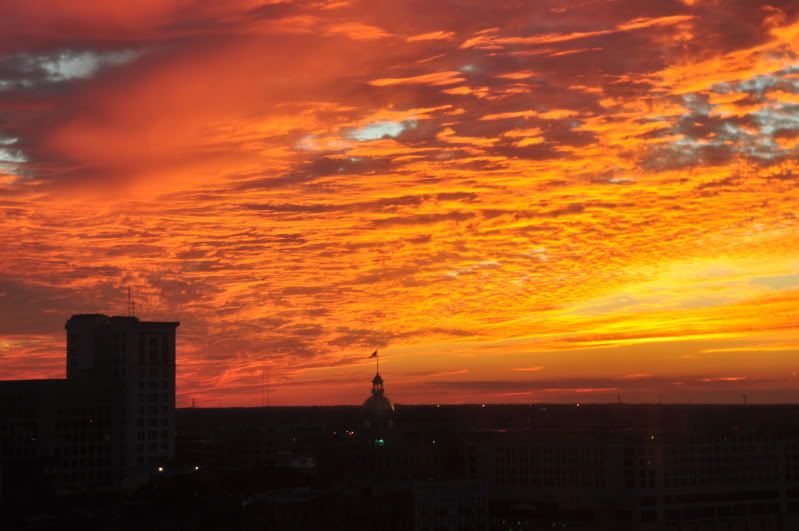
(554, 204)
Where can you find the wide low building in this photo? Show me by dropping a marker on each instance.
(638, 478)
(111, 422)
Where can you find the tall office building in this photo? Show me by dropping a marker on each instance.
(111, 422)
(138, 359)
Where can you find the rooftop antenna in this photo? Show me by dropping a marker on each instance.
(130, 304)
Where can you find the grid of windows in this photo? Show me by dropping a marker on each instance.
(733, 460)
(155, 394)
(550, 466)
(639, 467)
(83, 451)
(792, 461)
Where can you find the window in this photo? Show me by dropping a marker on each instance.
(165, 350)
(152, 350)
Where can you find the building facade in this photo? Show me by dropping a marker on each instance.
(111, 422)
(638, 479)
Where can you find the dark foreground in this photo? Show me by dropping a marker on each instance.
(531, 467)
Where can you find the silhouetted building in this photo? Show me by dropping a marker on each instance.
(139, 358)
(55, 435)
(384, 506)
(692, 476)
(450, 505)
(111, 422)
(378, 412)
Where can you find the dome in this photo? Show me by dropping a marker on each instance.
(377, 410)
(378, 406)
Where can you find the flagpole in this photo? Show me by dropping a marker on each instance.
(376, 355)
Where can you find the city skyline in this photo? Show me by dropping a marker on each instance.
(561, 203)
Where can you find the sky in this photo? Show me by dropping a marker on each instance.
(541, 201)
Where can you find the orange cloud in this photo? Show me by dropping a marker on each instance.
(523, 74)
(435, 79)
(431, 36)
(491, 40)
(511, 114)
(358, 31)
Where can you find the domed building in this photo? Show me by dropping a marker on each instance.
(377, 411)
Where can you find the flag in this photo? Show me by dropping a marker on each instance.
(374, 355)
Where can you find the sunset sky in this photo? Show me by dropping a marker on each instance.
(515, 201)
